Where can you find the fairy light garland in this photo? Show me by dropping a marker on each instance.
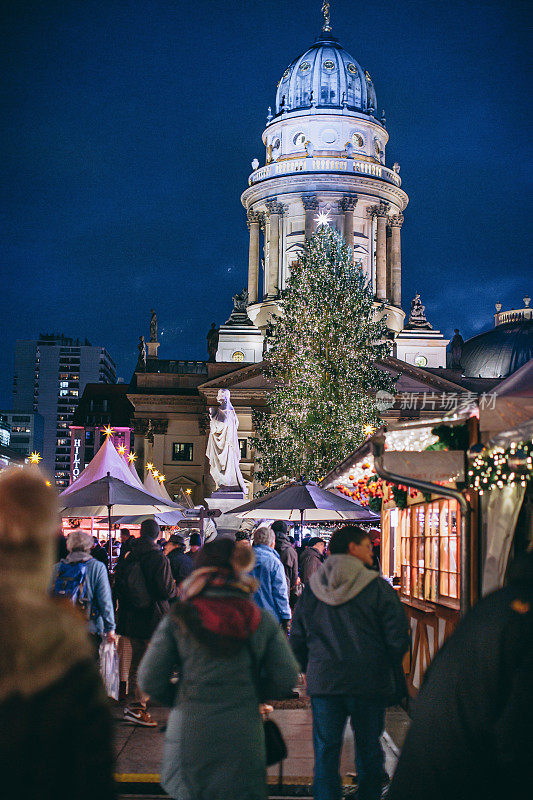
(500, 467)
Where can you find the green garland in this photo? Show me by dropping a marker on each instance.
(511, 466)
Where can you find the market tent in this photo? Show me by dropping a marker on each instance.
(132, 469)
(106, 462)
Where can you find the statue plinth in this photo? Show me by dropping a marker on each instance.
(226, 500)
(151, 349)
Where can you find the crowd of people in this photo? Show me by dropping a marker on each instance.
(213, 632)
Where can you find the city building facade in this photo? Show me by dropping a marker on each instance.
(50, 376)
(26, 431)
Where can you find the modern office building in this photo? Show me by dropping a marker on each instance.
(26, 431)
(50, 376)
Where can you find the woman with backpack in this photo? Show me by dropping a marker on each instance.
(84, 581)
(229, 656)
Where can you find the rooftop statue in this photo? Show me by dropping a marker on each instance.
(456, 349)
(417, 315)
(223, 449)
(141, 360)
(153, 326)
(212, 342)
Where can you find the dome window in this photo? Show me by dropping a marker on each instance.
(352, 68)
(299, 139)
(421, 361)
(305, 66)
(285, 75)
(329, 136)
(238, 356)
(276, 144)
(358, 140)
(329, 65)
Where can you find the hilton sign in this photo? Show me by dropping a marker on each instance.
(77, 452)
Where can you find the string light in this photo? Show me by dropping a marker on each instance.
(500, 467)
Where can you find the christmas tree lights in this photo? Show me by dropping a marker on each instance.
(321, 360)
(501, 467)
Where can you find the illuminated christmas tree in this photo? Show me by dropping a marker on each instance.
(321, 358)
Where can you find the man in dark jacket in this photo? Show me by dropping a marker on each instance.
(126, 540)
(471, 730)
(311, 558)
(349, 634)
(181, 563)
(139, 622)
(288, 556)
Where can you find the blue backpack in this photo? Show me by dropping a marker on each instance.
(71, 584)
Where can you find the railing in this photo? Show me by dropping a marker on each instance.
(320, 164)
(513, 316)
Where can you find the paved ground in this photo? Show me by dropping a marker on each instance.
(139, 751)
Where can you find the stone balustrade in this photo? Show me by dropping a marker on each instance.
(324, 164)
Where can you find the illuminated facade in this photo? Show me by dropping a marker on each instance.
(325, 154)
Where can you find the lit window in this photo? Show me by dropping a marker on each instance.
(182, 451)
(243, 447)
(238, 356)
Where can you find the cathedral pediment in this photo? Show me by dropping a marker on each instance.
(248, 380)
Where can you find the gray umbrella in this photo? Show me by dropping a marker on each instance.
(99, 497)
(305, 501)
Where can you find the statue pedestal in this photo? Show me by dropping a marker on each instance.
(151, 349)
(226, 501)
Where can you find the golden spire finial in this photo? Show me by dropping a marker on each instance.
(326, 27)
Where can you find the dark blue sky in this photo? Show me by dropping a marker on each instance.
(129, 128)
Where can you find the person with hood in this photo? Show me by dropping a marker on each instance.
(96, 587)
(349, 633)
(55, 724)
(219, 642)
(142, 606)
(471, 729)
(181, 563)
(311, 558)
(272, 593)
(288, 556)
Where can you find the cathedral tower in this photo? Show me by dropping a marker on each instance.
(325, 154)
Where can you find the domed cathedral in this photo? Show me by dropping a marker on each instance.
(325, 154)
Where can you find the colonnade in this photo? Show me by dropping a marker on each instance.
(388, 248)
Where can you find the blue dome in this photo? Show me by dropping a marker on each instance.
(325, 76)
(500, 351)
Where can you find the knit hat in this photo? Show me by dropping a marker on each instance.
(150, 529)
(279, 527)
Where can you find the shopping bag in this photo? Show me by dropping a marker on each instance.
(109, 668)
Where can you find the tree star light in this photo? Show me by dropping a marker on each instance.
(322, 218)
(108, 430)
(35, 458)
(132, 457)
(121, 449)
(150, 466)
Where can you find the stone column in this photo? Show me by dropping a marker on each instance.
(395, 223)
(275, 211)
(381, 212)
(348, 204)
(310, 203)
(253, 257)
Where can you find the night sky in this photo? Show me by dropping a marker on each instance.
(129, 128)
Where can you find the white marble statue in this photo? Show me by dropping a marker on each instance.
(223, 449)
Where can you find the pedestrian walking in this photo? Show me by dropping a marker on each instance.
(99, 553)
(55, 724)
(311, 558)
(471, 730)
(181, 563)
(85, 581)
(272, 593)
(349, 634)
(144, 586)
(217, 640)
(289, 558)
(126, 540)
(195, 542)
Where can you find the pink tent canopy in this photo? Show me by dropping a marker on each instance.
(106, 461)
